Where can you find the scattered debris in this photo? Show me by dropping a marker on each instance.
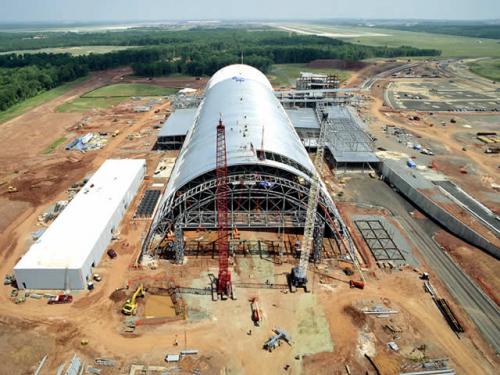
(105, 362)
(37, 234)
(380, 311)
(87, 142)
(373, 364)
(274, 341)
(256, 313)
(392, 345)
(181, 355)
(40, 366)
(449, 315)
(74, 367)
(21, 297)
(431, 372)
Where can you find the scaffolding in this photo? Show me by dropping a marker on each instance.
(311, 81)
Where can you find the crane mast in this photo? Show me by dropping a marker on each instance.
(298, 276)
(224, 285)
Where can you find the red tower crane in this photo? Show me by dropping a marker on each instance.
(224, 285)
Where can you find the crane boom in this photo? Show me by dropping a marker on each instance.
(298, 277)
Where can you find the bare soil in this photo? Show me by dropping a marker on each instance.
(480, 266)
(327, 328)
(337, 64)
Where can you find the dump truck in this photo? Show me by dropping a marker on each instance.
(130, 305)
(61, 298)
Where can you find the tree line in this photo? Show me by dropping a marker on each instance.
(458, 29)
(194, 52)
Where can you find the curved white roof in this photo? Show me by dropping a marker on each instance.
(246, 101)
(238, 71)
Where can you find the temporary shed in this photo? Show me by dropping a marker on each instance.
(63, 257)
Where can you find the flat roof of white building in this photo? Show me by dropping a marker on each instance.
(69, 240)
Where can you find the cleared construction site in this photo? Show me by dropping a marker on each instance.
(232, 228)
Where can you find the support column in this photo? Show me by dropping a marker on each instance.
(179, 244)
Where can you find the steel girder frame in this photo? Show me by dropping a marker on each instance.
(257, 200)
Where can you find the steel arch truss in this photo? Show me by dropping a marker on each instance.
(256, 200)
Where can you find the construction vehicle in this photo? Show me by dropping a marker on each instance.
(298, 275)
(222, 284)
(357, 284)
(130, 305)
(9, 279)
(11, 189)
(60, 299)
(297, 278)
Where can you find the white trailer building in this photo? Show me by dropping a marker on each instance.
(64, 255)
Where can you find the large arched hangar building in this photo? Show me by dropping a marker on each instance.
(269, 168)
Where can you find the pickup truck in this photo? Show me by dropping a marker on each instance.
(61, 298)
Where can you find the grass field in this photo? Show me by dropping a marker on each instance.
(121, 90)
(75, 51)
(450, 45)
(40, 99)
(489, 68)
(108, 96)
(50, 148)
(83, 104)
(286, 74)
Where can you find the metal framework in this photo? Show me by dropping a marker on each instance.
(310, 227)
(346, 135)
(267, 199)
(221, 200)
(317, 82)
(267, 187)
(379, 240)
(148, 204)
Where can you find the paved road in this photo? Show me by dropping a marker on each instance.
(481, 309)
(477, 209)
(386, 73)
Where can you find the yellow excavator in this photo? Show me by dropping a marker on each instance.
(130, 306)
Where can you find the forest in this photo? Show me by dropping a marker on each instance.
(194, 52)
(459, 29)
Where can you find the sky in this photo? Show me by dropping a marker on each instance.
(20, 11)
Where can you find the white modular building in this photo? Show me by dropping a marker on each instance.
(63, 257)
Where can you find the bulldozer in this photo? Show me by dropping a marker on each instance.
(130, 305)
